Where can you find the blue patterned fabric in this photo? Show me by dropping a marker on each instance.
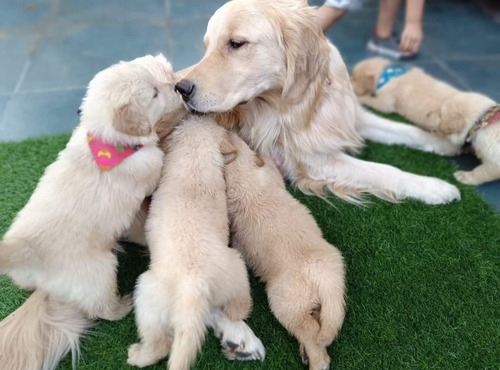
(388, 73)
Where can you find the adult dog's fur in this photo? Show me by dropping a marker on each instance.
(282, 243)
(437, 107)
(270, 72)
(192, 270)
(61, 243)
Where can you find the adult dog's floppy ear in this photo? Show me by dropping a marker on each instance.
(306, 50)
(227, 149)
(130, 120)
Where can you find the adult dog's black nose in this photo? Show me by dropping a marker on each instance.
(185, 88)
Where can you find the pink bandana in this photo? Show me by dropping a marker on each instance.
(107, 156)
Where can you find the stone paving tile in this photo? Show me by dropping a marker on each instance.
(186, 48)
(35, 114)
(480, 75)
(72, 54)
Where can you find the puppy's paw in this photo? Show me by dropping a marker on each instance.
(240, 343)
(322, 362)
(137, 356)
(465, 177)
(142, 355)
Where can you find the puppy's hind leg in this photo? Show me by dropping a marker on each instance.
(239, 305)
(299, 314)
(99, 289)
(151, 316)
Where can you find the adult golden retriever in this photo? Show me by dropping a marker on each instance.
(273, 75)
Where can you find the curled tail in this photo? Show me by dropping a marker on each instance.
(39, 333)
(331, 291)
(190, 313)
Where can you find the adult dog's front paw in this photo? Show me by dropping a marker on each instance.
(433, 191)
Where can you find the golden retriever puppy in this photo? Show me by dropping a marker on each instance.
(283, 245)
(435, 106)
(61, 243)
(269, 71)
(192, 270)
(413, 94)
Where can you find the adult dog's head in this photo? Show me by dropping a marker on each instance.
(131, 99)
(254, 47)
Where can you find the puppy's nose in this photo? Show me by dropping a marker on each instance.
(185, 88)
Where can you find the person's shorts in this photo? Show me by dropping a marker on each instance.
(344, 4)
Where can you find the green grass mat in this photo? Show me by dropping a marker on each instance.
(422, 280)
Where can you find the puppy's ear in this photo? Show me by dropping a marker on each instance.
(451, 120)
(129, 119)
(259, 162)
(306, 50)
(363, 85)
(227, 149)
(169, 121)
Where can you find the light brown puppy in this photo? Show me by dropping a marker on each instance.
(283, 245)
(269, 72)
(434, 106)
(192, 270)
(414, 94)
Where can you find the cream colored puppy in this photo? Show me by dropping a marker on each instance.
(192, 270)
(283, 245)
(460, 117)
(413, 94)
(61, 243)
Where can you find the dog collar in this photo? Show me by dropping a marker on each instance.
(490, 116)
(388, 73)
(107, 155)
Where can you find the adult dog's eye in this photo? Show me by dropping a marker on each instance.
(156, 93)
(233, 44)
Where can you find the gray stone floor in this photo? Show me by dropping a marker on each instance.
(50, 49)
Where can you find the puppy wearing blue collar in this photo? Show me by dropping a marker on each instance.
(461, 118)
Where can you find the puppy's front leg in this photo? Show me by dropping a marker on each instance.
(238, 341)
(483, 173)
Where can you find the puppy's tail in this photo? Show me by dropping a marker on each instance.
(39, 333)
(330, 285)
(190, 313)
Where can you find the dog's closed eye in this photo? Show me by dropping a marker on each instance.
(156, 92)
(236, 44)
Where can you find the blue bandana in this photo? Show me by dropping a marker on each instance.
(388, 73)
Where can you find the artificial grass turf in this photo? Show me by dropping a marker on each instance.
(422, 280)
